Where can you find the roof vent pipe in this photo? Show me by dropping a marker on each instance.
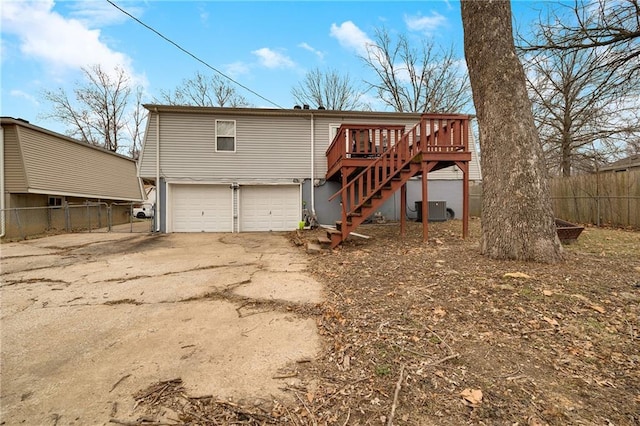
(321, 107)
(297, 107)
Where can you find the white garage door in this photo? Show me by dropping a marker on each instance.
(269, 208)
(201, 208)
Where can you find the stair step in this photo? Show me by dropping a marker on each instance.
(339, 225)
(335, 236)
(354, 214)
(313, 248)
(324, 241)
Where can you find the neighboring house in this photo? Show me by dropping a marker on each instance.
(46, 175)
(249, 169)
(626, 164)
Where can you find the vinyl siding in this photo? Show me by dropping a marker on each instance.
(14, 174)
(59, 165)
(268, 147)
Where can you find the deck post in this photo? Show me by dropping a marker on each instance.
(344, 198)
(403, 209)
(425, 203)
(464, 166)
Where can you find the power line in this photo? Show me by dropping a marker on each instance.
(191, 54)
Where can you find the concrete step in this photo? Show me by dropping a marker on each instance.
(313, 248)
(325, 242)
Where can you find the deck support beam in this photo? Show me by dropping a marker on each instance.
(464, 166)
(425, 203)
(427, 166)
(403, 209)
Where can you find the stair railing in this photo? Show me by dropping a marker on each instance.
(380, 171)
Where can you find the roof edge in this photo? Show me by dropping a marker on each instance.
(157, 108)
(24, 123)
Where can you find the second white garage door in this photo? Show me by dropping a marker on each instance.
(269, 208)
(201, 208)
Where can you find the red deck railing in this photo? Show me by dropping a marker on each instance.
(389, 151)
(362, 141)
(435, 133)
(376, 161)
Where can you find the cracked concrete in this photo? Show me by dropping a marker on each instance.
(89, 319)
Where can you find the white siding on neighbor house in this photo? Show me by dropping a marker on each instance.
(57, 165)
(267, 148)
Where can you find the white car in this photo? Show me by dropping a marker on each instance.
(143, 211)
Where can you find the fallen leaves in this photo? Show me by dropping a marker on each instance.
(551, 321)
(472, 397)
(527, 324)
(517, 275)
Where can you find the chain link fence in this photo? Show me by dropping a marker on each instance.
(26, 222)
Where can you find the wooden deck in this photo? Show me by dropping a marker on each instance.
(372, 162)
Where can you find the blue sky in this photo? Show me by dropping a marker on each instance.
(267, 46)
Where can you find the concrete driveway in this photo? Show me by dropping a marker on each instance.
(87, 320)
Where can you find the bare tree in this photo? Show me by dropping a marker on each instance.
(100, 110)
(578, 105)
(517, 219)
(595, 24)
(329, 89)
(204, 90)
(411, 79)
(135, 126)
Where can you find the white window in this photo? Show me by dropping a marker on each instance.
(333, 131)
(226, 135)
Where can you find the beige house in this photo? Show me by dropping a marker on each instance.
(257, 169)
(52, 182)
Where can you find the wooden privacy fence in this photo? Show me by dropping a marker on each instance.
(611, 198)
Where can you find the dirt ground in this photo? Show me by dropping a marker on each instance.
(434, 333)
(443, 335)
(88, 320)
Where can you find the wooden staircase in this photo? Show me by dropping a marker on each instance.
(431, 144)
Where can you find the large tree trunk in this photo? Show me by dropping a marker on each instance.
(517, 219)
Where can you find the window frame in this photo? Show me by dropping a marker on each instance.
(55, 201)
(235, 139)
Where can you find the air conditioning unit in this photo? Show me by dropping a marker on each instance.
(437, 211)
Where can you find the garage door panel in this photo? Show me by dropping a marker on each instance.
(201, 208)
(269, 208)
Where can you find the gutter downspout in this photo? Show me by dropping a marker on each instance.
(313, 177)
(158, 204)
(2, 195)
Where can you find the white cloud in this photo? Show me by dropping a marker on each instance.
(24, 95)
(427, 24)
(351, 37)
(62, 44)
(318, 53)
(100, 13)
(236, 69)
(204, 15)
(272, 59)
